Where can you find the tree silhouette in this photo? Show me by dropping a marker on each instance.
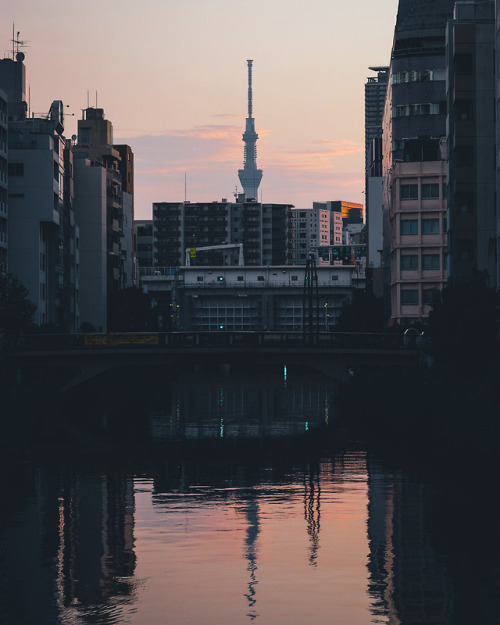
(463, 325)
(16, 309)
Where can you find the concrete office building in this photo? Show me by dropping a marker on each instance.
(472, 236)
(260, 228)
(414, 160)
(246, 298)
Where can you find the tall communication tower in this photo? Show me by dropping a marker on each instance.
(250, 176)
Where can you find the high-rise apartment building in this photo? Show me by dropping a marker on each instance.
(260, 228)
(414, 160)
(308, 228)
(42, 234)
(375, 92)
(104, 206)
(472, 241)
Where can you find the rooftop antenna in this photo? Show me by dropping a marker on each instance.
(17, 44)
(249, 65)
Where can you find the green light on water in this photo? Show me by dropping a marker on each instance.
(307, 425)
(221, 429)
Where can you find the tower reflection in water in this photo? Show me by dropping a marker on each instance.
(79, 543)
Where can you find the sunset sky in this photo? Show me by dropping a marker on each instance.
(171, 76)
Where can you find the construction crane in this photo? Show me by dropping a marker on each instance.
(225, 246)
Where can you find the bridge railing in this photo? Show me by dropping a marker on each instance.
(155, 340)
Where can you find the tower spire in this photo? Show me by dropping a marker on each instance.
(250, 176)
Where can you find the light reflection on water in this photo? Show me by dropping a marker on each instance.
(279, 552)
(275, 538)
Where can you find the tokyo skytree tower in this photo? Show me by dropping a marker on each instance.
(250, 176)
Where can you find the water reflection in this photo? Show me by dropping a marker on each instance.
(227, 402)
(306, 536)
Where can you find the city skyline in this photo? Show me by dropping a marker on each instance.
(172, 79)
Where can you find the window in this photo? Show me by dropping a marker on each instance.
(430, 191)
(199, 278)
(409, 296)
(430, 226)
(428, 296)
(15, 169)
(260, 278)
(430, 261)
(240, 278)
(84, 136)
(409, 226)
(409, 261)
(409, 191)
(295, 278)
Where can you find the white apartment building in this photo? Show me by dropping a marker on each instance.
(309, 228)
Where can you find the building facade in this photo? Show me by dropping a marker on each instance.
(246, 298)
(375, 93)
(262, 229)
(414, 161)
(106, 218)
(472, 236)
(308, 228)
(143, 244)
(3, 181)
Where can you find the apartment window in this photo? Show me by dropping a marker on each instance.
(430, 226)
(15, 169)
(240, 278)
(409, 261)
(430, 191)
(428, 296)
(199, 278)
(295, 278)
(431, 261)
(409, 296)
(260, 278)
(409, 191)
(409, 226)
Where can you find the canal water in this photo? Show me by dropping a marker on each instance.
(223, 497)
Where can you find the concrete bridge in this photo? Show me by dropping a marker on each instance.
(91, 355)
